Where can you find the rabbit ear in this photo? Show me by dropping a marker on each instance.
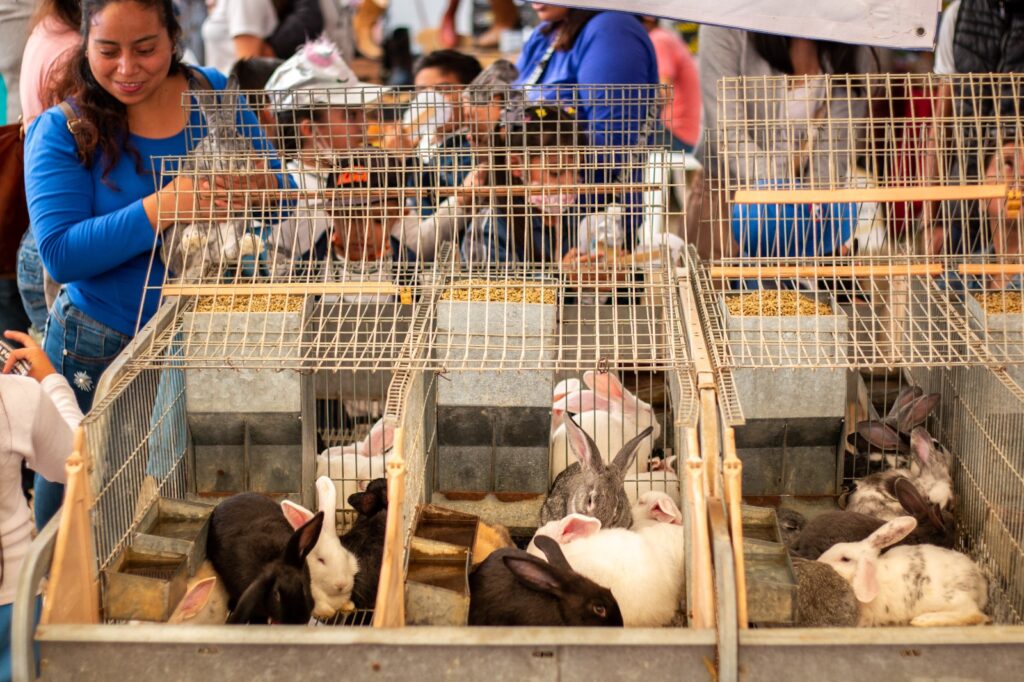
(904, 490)
(908, 395)
(891, 533)
(581, 401)
(564, 388)
(535, 573)
(664, 510)
(624, 459)
(582, 445)
(916, 412)
(302, 541)
(196, 598)
(608, 385)
(865, 580)
(326, 495)
(296, 514)
(253, 598)
(577, 527)
(553, 552)
(921, 444)
(381, 438)
(879, 435)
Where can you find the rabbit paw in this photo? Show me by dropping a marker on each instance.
(250, 245)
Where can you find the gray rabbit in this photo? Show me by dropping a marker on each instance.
(590, 486)
(199, 250)
(823, 597)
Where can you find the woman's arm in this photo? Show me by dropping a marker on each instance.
(247, 46)
(73, 243)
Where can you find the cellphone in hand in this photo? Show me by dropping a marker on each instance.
(20, 367)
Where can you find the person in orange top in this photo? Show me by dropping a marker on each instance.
(677, 68)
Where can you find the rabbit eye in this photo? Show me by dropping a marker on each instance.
(600, 610)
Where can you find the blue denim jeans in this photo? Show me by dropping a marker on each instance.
(6, 613)
(12, 313)
(80, 348)
(30, 281)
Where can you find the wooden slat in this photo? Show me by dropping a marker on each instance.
(827, 271)
(859, 195)
(991, 268)
(732, 471)
(73, 595)
(383, 288)
(389, 611)
(701, 605)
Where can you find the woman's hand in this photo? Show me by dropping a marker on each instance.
(39, 364)
(213, 198)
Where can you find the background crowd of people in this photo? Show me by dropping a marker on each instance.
(99, 84)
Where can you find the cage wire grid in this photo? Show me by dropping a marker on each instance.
(868, 220)
(318, 258)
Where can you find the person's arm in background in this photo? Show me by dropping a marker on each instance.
(249, 25)
(304, 22)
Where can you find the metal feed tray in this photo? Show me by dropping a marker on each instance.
(771, 584)
(144, 585)
(177, 527)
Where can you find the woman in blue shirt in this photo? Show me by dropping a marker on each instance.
(91, 195)
(577, 47)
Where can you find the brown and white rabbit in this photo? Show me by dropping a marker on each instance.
(882, 444)
(930, 472)
(590, 486)
(919, 585)
(512, 587)
(262, 560)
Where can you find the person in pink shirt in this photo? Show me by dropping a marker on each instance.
(677, 68)
(54, 31)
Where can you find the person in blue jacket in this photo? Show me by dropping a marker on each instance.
(91, 195)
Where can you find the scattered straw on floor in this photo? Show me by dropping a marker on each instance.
(254, 303)
(499, 292)
(1002, 302)
(774, 303)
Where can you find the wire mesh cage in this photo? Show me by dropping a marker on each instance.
(865, 220)
(506, 200)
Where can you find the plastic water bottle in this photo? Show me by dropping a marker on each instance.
(601, 232)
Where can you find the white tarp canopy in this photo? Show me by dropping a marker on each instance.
(908, 24)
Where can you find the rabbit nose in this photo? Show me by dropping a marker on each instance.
(340, 586)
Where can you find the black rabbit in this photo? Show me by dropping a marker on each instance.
(262, 561)
(366, 540)
(512, 587)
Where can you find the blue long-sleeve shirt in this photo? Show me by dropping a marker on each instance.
(93, 235)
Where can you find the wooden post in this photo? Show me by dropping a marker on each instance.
(73, 594)
(702, 606)
(389, 611)
(732, 471)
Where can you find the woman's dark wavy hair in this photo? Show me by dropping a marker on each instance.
(103, 119)
(568, 28)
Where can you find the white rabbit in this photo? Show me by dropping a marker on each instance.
(610, 414)
(654, 507)
(643, 568)
(661, 478)
(348, 466)
(920, 585)
(332, 568)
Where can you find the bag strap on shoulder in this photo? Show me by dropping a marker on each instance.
(74, 126)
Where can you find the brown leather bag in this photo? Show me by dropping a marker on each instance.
(13, 209)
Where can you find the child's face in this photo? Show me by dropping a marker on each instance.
(554, 171)
(481, 120)
(342, 129)
(1006, 166)
(366, 237)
